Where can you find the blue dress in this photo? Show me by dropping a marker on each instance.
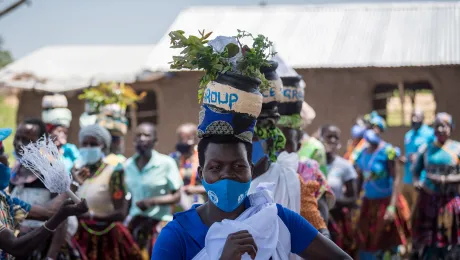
(184, 237)
(378, 183)
(70, 155)
(413, 140)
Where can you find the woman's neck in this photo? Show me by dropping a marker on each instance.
(373, 147)
(261, 167)
(330, 157)
(210, 213)
(94, 167)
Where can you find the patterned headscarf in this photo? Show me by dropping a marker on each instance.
(376, 120)
(276, 135)
(445, 118)
(100, 133)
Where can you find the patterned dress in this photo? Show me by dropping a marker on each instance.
(12, 212)
(101, 240)
(437, 214)
(312, 181)
(376, 238)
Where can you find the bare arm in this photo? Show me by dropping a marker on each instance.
(351, 194)
(197, 189)
(323, 248)
(452, 178)
(396, 181)
(168, 199)
(59, 238)
(323, 208)
(24, 245)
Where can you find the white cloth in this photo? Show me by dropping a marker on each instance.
(283, 173)
(274, 242)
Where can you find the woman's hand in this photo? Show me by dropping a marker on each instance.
(237, 245)
(69, 208)
(143, 205)
(390, 214)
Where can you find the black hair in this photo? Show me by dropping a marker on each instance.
(38, 123)
(152, 126)
(221, 139)
(326, 127)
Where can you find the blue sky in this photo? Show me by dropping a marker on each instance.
(53, 22)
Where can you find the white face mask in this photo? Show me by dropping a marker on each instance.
(91, 155)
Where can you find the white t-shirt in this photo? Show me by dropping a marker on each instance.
(339, 172)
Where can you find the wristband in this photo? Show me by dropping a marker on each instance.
(76, 184)
(50, 230)
(391, 208)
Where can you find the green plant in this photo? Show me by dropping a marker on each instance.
(112, 93)
(197, 54)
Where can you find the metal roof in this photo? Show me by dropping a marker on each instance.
(71, 67)
(335, 36)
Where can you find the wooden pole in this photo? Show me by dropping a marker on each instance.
(133, 116)
(402, 99)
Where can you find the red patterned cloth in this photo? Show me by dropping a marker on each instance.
(116, 243)
(342, 231)
(437, 220)
(376, 235)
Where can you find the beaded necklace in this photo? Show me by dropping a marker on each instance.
(97, 233)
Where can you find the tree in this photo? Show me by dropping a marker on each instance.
(12, 7)
(5, 56)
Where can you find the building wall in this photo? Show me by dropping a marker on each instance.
(340, 95)
(337, 95)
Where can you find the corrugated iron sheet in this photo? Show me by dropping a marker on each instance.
(64, 68)
(335, 36)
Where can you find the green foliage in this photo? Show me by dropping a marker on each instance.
(8, 119)
(112, 93)
(256, 57)
(5, 58)
(197, 55)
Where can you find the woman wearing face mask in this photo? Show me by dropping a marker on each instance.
(186, 157)
(14, 210)
(25, 186)
(438, 209)
(221, 225)
(343, 180)
(101, 233)
(384, 214)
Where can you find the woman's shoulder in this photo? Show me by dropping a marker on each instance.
(178, 239)
(391, 151)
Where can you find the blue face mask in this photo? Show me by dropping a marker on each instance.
(372, 137)
(227, 194)
(258, 151)
(91, 155)
(5, 174)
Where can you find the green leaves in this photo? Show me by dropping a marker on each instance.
(232, 50)
(197, 55)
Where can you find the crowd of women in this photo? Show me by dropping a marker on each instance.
(243, 183)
